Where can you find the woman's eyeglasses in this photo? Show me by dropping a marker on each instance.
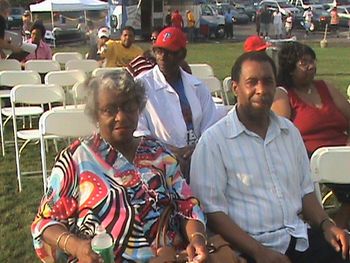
(127, 107)
(153, 38)
(306, 64)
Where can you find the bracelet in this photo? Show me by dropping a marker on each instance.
(325, 220)
(60, 237)
(65, 243)
(199, 234)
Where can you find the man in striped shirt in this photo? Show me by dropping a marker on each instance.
(251, 172)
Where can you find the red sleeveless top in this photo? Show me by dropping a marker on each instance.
(325, 126)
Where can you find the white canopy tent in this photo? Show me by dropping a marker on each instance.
(68, 5)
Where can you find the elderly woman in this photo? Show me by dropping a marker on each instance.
(319, 110)
(118, 181)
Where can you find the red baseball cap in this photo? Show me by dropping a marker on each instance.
(171, 38)
(254, 43)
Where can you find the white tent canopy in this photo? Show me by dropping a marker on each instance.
(68, 5)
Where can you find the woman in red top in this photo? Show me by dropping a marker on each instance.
(320, 111)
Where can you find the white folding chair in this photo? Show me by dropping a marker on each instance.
(10, 64)
(66, 79)
(52, 123)
(227, 87)
(40, 94)
(11, 78)
(86, 65)
(64, 57)
(42, 66)
(202, 70)
(100, 71)
(330, 165)
(348, 92)
(215, 88)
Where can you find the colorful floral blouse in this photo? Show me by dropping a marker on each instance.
(92, 183)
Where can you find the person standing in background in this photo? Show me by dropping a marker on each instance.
(228, 24)
(277, 23)
(176, 20)
(168, 18)
(334, 21)
(258, 21)
(308, 15)
(190, 25)
(289, 25)
(26, 21)
(265, 20)
(4, 43)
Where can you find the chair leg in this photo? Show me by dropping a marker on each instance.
(2, 133)
(17, 156)
(23, 146)
(43, 161)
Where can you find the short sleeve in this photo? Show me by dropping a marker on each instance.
(208, 175)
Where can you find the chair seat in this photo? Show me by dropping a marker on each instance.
(23, 111)
(70, 107)
(217, 100)
(33, 134)
(5, 93)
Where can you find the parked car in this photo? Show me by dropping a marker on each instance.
(305, 4)
(15, 17)
(344, 15)
(212, 21)
(320, 18)
(283, 6)
(238, 13)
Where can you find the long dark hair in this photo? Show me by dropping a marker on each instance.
(288, 58)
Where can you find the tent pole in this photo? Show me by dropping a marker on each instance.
(52, 24)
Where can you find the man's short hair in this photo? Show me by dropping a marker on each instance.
(4, 5)
(258, 56)
(129, 28)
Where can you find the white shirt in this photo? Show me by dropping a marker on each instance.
(162, 116)
(308, 15)
(258, 183)
(277, 18)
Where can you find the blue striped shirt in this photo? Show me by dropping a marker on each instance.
(259, 183)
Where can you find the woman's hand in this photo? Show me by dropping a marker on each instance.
(197, 250)
(85, 254)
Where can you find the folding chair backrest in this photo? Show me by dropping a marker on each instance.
(348, 92)
(12, 78)
(10, 64)
(42, 66)
(330, 165)
(37, 93)
(79, 92)
(65, 77)
(100, 71)
(202, 70)
(86, 65)
(64, 57)
(53, 122)
(227, 84)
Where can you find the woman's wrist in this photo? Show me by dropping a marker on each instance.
(198, 235)
(326, 222)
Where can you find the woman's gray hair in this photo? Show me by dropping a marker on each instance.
(119, 80)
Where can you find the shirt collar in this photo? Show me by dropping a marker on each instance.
(235, 127)
(186, 78)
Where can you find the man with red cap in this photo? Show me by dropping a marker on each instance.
(179, 106)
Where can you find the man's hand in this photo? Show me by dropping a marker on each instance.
(338, 238)
(266, 255)
(85, 254)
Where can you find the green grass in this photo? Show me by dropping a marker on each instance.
(17, 210)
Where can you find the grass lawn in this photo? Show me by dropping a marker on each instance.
(17, 210)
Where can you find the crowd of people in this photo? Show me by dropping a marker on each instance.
(160, 142)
